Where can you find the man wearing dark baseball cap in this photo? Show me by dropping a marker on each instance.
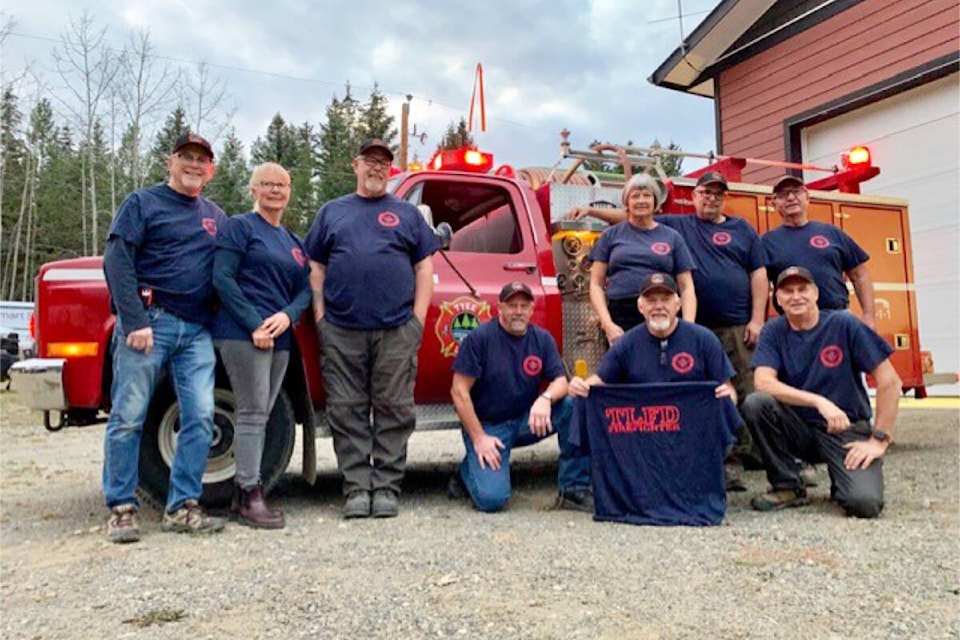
(811, 404)
(510, 390)
(372, 278)
(159, 256)
(825, 250)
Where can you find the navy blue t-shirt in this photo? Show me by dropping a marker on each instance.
(273, 270)
(369, 247)
(726, 254)
(825, 250)
(508, 370)
(690, 354)
(656, 452)
(175, 238)
(631, 254)
(827, 360)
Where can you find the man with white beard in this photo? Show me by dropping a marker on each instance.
(664, 348)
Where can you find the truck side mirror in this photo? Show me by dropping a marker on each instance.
(444, 233)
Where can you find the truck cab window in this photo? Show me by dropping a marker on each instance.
(482, 216)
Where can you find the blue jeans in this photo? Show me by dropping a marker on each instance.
(186, 349)
(490, 489)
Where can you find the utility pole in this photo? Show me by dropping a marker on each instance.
(404, 126)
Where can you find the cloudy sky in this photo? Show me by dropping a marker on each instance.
(548, 64)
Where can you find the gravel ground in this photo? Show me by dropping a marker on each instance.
(442, 570)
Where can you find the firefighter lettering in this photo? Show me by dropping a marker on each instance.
(652, 419)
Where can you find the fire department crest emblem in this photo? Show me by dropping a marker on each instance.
(459, 317)
(209, 225)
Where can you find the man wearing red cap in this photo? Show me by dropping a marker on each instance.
(811, 403)
(159, 269)
(509, 389)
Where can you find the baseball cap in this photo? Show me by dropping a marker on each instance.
(712, 177)
(785, 180)
(656, 281)
(376, 143)
(192, 138)
(513, 288)
(793, 273)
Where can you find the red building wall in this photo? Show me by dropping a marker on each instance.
(866, 44)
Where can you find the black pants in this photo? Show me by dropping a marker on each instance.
(624, 312)
(782, 437)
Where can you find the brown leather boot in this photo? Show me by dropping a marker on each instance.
(235, 504)
(254, 512)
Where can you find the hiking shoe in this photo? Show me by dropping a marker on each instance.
(456, 489)
(123, 526)
(190, 518)
(576, 500)
(357, 505)
(732, 479)
(808, 474)
(775, 500)
(385, 504)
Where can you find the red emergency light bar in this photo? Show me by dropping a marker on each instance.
(856, 157)
(461, 160)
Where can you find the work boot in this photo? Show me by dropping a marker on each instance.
(808, 474)
(254, 512)
(190, 518)
(576, 500)
(123, 526)
(732, 479)
(456, 488)
(235, 505)
(357, 504)
(777, 499)
(385, 504)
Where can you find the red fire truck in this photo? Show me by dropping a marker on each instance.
(497, 225)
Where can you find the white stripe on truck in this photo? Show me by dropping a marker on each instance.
(61, 275)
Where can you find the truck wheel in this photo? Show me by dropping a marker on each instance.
(158, 444)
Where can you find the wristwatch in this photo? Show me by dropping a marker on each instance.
(547, 395)
(882, 436)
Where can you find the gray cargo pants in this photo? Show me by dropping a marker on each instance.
(364, 373)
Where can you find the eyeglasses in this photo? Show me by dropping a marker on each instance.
(270, 186)
(375, 163)
(710, 193)
(195, 159)
(787, 193)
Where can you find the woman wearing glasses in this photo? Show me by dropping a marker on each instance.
(261, 274)
(628, 252)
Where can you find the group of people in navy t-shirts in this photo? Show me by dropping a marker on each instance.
(365, 267)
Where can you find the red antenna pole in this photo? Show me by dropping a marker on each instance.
(478, 82)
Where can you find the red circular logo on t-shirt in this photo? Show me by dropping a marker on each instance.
(298, 256)
(388, 219)
(722, 238)
(831, 356)
(532, 365)
(682, 362)
(660, 248)
(820, 242)
(210, 226)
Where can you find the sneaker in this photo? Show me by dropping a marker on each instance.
(775, 500)
(456, 489)
(732, 479)
(190, 518)
(385, 504)
(357, 505)
(808, 474)
(576, 500)
(123, 526)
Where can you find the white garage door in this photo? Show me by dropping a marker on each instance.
(914, 138)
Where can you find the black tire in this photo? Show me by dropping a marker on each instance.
(158, 444)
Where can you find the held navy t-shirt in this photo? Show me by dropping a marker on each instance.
(273, 270)
(631, 254)
(369, 247)
(508, 370)
(825, 250)
(726, 254)
(827, 360)
(175, 239)
(690, 354)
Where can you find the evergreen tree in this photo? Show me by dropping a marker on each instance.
(174, 127)
(338, 146)
(374, 121)
(304, 200)
(457, 137)
(230, 187)
(279, 145)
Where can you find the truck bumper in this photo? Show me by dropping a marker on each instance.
(40, 382)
